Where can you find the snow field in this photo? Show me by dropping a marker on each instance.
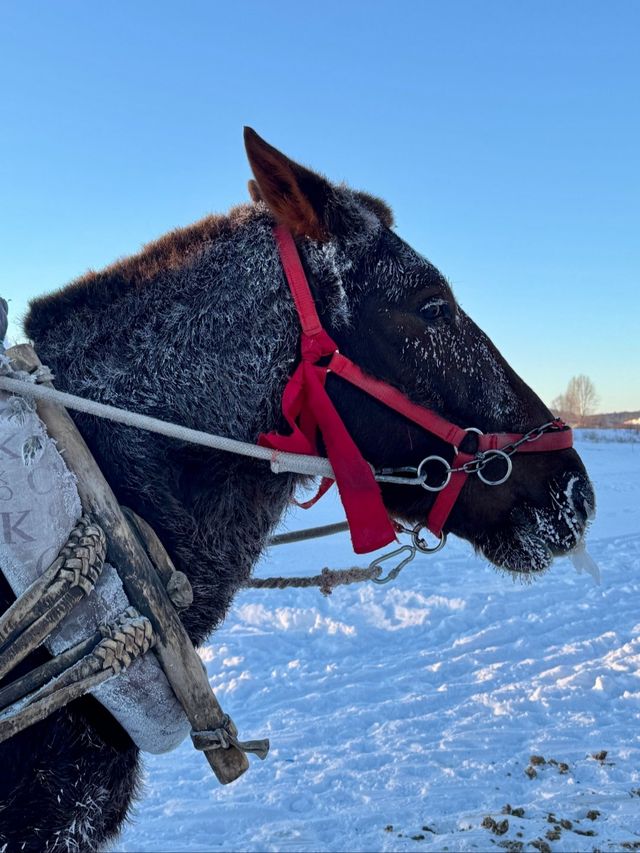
(405, 717)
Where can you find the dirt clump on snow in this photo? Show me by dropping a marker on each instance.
(499, 827)
(541, 845)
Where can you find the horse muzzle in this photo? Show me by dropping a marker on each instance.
(537, 532)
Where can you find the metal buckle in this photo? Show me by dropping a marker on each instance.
(489, 454)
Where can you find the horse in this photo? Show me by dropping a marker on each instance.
(199, 328)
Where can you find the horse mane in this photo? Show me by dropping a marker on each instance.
(96, 289)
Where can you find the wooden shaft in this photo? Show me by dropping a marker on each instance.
(145, 589)
(37, 632)
(176, 583)
(31, 604)
(47, 671)
(11, 723)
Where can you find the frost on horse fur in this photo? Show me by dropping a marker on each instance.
(200, 329)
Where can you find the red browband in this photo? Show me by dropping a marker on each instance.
(308, 409)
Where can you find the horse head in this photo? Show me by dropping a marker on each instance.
(200, 328)
(394, 314)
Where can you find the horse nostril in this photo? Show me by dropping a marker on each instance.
(589, 507)
(587, 497)
(579, 493)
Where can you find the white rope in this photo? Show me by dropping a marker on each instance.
(296, 463)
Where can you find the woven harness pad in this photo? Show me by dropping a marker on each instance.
(39, 506)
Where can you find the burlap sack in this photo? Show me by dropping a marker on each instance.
(39, 505)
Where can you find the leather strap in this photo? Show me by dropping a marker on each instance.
(396, 400)
(560, 439)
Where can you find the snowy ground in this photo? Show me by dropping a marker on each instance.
(406, 717)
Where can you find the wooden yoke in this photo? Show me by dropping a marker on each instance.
(142, 583)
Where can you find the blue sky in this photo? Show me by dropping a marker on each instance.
(505, 135)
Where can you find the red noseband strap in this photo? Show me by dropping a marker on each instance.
(308, 410)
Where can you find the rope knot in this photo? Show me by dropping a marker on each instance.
(225, 736)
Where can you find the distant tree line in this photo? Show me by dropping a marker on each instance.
(578, 401)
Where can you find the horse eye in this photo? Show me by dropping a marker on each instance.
(433, 310)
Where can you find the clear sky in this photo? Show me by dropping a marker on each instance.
(505, 135)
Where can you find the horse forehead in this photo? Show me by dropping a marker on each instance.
(401, 270)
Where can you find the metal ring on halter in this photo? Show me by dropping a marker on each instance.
(488, 455)
(476, 430)
(447, 468)
(421, 545)
(467, 429)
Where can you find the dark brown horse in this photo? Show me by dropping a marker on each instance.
(199, 328)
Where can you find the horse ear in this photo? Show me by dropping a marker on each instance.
(254, 191)
(298, 197)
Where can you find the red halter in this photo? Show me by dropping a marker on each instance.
(308, 409)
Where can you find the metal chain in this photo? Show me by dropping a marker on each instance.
(534, 435)
(410, 476)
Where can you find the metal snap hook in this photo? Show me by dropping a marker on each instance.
(422, 545)
(447, 469)
(377, 563)
(487, 458)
